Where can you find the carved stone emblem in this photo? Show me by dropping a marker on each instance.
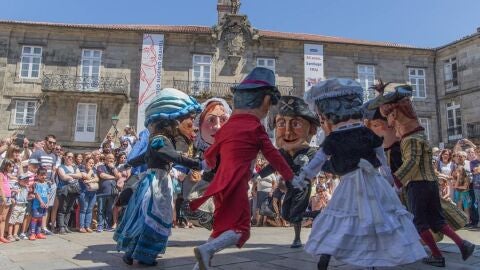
(234, 40)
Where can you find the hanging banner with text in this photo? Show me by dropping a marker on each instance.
(150, 74)
(313, 59)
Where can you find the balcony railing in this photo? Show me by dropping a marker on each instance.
(454, 133)
(206, 89)
(69, 83)
(473, 130)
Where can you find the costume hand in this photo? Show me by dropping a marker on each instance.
(299, 181)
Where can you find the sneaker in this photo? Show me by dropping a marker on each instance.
(47, 231)
(62, 231)
(434, 261)
(99, 229)
(10, 238)
(32, 237)
(110, 229)
(296, 244)
(16, 238)
(23, 236)
(41, 236)
(467, 249)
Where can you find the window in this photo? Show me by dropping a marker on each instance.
(266, 63)
(31, 59)
(202, 65)
(454, 121)
(366, 77)
(25, 112)
(416, 76)
(90, 70)
(450, 72)
(85, 122)
(426, 125)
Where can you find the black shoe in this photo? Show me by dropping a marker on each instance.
(296, 244)
(62, 231)
(148, 264)
(434, 261)
(467, 249)
(127, 259)
(323, 262)
(469, 225)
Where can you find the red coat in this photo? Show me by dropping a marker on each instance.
(236, 145)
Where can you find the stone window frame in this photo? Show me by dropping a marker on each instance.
(16, 101)
(32, 55)
(368, 94)
(417, 77)
(266, 59)
(425, 122)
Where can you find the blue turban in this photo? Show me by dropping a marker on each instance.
(170, 104)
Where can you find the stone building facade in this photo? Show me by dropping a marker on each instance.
(70, 80)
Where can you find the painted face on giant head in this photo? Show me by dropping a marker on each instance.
(187, 128)
(292, 132)
(211, 120)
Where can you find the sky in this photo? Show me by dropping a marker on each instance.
(421, 23)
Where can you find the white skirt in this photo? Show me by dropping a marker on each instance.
(365, 224)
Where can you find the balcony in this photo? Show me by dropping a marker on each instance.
(454, 133)
(77, 84)
(473, 130)
(202, 89)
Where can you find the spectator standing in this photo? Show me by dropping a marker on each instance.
(5, 196)
(130, 135)
(32, 169)
(475, 169)
(68, 191)
(462, 186)
(108, 175)
(89, 187)
(124, 175)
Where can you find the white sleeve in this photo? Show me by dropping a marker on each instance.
(315, 165)
(385, 169)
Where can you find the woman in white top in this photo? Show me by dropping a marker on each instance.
(445, 168)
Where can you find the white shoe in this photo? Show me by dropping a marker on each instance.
(204, 253)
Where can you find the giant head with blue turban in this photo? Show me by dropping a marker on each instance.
(169, 108)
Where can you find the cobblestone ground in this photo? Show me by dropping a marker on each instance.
(268, 248)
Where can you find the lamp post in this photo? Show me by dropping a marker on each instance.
(114, 124)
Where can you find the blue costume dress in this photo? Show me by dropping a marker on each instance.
(143, 233)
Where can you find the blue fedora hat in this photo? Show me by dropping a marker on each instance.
(259, 77)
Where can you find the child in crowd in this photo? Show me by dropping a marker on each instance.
(462, 187)
(444, 188)
(20, 194)
(33, 165)
(39, 205)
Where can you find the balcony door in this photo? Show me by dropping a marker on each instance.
(202, 65)
(454, 121)
(85, 122)
(90, 70)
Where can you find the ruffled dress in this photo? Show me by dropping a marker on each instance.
(364, 223)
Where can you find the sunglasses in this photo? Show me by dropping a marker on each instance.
(69, 156)
(52, 142)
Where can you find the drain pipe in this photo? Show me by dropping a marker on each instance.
(437, 101)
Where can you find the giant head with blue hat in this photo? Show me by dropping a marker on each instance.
(252, 91)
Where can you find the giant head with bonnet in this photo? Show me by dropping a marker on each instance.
(171, 110)
(335, 101)
(256, 91)
(294, 123)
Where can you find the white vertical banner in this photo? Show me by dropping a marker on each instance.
(313, 62)
(150, 74)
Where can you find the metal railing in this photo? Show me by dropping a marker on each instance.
(473, 130)
(70, 83)
(207, 89)
(454, 133)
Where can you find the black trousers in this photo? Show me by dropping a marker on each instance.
(65, 207)
(424, 203)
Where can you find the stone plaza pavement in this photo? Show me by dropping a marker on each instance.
(268, 248)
